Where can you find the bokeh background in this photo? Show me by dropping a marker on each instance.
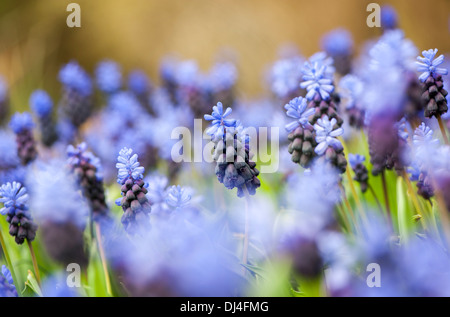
(35, 41)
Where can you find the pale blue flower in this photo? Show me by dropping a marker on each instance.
(355, 159)
(177, 197)
(219, 123)
(316, 80)
(428, 65)
(296, 109)
(128, 166)
(326, 135)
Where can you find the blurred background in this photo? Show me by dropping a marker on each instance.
(35, 41)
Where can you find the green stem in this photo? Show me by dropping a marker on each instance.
(442, 128)
(35, 265)
(103, 259)
(246, 229)
(376, 197)
(8, 260)
(386, 198)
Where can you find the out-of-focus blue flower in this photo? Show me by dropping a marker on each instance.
(296, 109)
(285, 76)
(41, 103)
(355, 159)
(414, 170)
(7, 274)
(315, 193)
(73, 76)
(423, 135)
(14, 197)
(55, 196)
(222, 76)
(56, 286)
(219, 123)
(389, 18)
(8, 150)
(428, 65)
(138, 82)
(21, 122)
(108, 76)
(187, 73)
(7, 287)
(326, 135)
(338, 42)
(316, 80)
(177, 197)
(324, 59)
(402, 128)
(128, 166)
(350, 89)
(80, 153)
(157, 192)
(393, 50)
(126, 104)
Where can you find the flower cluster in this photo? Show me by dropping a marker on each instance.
(433, 94)
(361, 173)
(317, 125)
(15, 200)
(42, 105)
(134, 202)
(108, 76)
(87, 169)
(76, 104)
(232, 155)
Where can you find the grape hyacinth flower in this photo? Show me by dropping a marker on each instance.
(285, 77)
(351, 89)
(328, 144)
(423, 142)
(221, 82)
(219, 124)
(15, 200)
(386, 146)
(4, 102)
(432, 84)
(60, 211)
(22, 125)
(316, 81)
(361, 173)
(301, 137)
(319, 84)
(232, 155)
(339, 45)
(108, 76)
(140, 85)
(7, 287)
(389, 19)
(87, 169)
(42, 104)
(76, 103)
(134, 203)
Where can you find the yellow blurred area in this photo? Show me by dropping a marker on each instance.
(35, 41)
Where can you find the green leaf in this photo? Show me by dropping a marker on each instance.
(31, 286)
(404, 215)
(255, 270)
